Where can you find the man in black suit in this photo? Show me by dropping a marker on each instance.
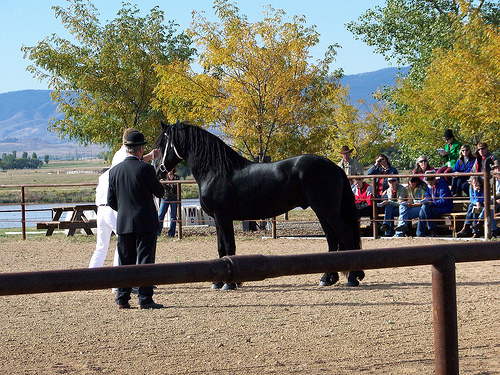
(132, 185)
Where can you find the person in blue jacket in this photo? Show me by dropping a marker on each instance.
(437, 200)
(382, 166)
(475, 209)
(464, 164)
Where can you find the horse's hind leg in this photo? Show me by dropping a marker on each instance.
(337, 234)
(226, 245)
(329, 278)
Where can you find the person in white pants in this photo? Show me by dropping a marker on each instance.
(106, 216)
(106, 223)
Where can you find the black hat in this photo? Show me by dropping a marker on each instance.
(448, 133)
(135, 138)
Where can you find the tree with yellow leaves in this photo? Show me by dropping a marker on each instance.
(461, 91)
(256, 84)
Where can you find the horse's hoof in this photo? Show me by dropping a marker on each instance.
(352, 283)
(360, 275)
(328, 279)
(354, 276)
(217, 285)
(229, 286)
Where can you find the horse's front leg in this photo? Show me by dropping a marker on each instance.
(226, 246)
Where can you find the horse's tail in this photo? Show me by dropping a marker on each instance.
(350, 212)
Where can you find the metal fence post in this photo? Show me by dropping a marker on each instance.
(487, 204)
(179, 210)
(444, 302)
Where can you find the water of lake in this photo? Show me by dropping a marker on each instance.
(10, 214)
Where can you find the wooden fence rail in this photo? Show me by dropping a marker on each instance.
(489, 191)
(242, 268)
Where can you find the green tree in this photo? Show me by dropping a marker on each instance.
(104, 81)
(46, 158)
(256, 84)
(407, 31)
(460, 91)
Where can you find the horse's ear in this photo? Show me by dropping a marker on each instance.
(163, 125)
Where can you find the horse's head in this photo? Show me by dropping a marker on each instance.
(169, 156)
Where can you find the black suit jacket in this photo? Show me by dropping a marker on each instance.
(132, 184)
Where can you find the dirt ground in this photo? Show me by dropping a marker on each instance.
(286, 325)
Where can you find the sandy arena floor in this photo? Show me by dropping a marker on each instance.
(287, 325)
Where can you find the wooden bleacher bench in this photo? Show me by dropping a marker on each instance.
(456, 217)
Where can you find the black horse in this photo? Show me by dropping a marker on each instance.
(234, 188)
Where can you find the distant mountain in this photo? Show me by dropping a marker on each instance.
(24, 116)
(363, 85)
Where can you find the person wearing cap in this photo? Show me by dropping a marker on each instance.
(382, 166)
(422, 166)
(396, 194)
(410, 208)
(450, 152)
(465, 161)
(437, 200)
(484, 158)
(132, 184)
(472, 224)
(349, 165)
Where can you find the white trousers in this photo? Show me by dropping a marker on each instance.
(106, 224)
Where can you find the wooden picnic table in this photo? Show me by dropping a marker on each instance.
(77, 220)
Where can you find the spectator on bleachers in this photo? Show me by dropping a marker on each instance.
(495, 200)
(382, 166)
(496, 174)
(484, 158)
(349, 165)
(437, 200)
(363, 194)
(410, 208)
(449, 153)
(472, 224)
(422, 166)
(464, 164)
(396, 194)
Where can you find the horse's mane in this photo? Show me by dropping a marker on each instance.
(209, 151)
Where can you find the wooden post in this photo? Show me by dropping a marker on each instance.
(444, 302)
(23, 214)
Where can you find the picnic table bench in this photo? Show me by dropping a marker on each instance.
(77, 220)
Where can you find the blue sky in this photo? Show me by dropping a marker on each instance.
(29, 21)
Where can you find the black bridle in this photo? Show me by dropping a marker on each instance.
(169, 144)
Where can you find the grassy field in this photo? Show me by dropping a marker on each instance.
(60, 172)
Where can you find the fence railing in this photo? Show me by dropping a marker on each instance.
(442, 257)
(489, 191)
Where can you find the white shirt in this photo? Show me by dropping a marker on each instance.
(119, 156)
(101, 191)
